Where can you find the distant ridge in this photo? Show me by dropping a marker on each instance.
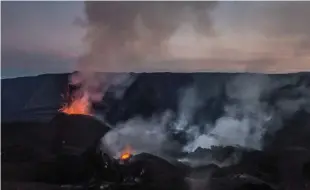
(32, 98)
(39, 97)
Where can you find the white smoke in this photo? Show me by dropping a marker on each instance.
(246, 119)
(189, 102)
(142, 135)
(97, 84)
(93, 86)
(118, 83)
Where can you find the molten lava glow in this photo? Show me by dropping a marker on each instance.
(77, 106)
(126, 153)
(125, 156)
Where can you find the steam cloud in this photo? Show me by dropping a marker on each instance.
(244, 120)
(248, 116)
(145, 136)
(139, 36)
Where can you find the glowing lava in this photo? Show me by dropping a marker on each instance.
(125, 156)
(126, 153)
(77, 106)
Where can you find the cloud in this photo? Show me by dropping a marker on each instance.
(198, 36)
(165, 36)
(42, 27)
(123, 35)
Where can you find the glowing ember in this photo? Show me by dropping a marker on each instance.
(126, 153)
(77, 106)
(125, 156)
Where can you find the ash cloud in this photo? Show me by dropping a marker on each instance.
(172, 36)
(270, 37)
(186, 36)
(125, 35)
(279, 34)
(288, 18)
(122, 36)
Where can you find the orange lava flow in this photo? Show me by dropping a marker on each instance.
(126, 153)
(77, 106)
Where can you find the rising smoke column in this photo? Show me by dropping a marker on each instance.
(123, 35)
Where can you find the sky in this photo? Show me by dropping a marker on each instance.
(40, 37)
(57, 37)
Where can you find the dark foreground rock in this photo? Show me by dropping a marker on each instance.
(64, 153)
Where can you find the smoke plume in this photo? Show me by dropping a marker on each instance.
(192, 36)
(143, 135)
(122, 36)
(248, 115)
(93, 86)
(185, 36)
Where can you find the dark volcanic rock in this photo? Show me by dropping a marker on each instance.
(53, 152)
(294, 133)
(39, 98)
(60, 151)
(75, 133)
(158, 173)
(27, 99)
(75, 141)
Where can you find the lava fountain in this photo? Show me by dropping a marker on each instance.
(77, 105)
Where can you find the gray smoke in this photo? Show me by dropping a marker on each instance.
(244, 120)
(283, 25)
(188, 104)
(134, 36)
(118, 83)
(195, 36)
(94, 86)
(142, 135)
(126, 33)
(248, 116)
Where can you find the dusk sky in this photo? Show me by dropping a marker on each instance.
(40, 37)
(49, 37)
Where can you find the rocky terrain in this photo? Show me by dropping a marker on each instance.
(46, 150)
